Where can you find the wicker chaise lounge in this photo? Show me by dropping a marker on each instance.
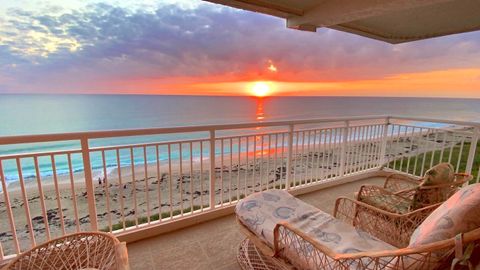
(284, 233)
(78, 251)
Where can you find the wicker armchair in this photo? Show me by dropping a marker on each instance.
(78, 251)
(402, 194)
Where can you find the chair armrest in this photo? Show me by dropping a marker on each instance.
(122, 256)
(345, 210)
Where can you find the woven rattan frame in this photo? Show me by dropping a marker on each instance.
(316, 256)
(395, 229)
(92, 250)
(407, 186)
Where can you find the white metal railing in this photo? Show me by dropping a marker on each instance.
(103, 183)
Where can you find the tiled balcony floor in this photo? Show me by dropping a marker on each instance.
(213, 244)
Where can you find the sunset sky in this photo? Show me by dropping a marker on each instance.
(192, 47)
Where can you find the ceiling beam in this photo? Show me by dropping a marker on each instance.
(334, 12)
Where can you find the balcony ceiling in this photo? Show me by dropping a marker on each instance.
(393, 21)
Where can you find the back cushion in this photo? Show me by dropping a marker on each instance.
(459, 214)
(442, 173)
(439, 174)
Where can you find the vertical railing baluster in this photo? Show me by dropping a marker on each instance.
(452, 145)
(8, 208)
(247, 165)
(134, 186)
(25, 203)
(434, 149)
(283, 168)
(262, 160)
(403, 154)
(424, 160)
(297, 136)
(191, 177)
(147, 189)
(42, 197)
(412, 137)
(459, 158)
(159, 182)
(314, 155)
(418, 152)
(120, 188)
(201, 176)
(383, 149)
(307, 156)
(472, 150)
(57, 194)
(107, 191)
(72, 189)
(170, 180)
(92, 210)
(337, 144)
(212, 169)
(238, 166)
(221, 171)
(396, 147)
(344, 147)
(267, 170)
(275, 160)
(180, 168)
(230, 179)
(443, 147)
(289, 157)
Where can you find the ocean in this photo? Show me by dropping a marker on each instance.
(41, 114)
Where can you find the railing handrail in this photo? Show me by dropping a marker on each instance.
(168, 130)
(435, 120)
(18, 139)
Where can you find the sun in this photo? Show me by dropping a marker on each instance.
(260, 89)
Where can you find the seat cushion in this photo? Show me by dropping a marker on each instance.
(388, 202)
(260, 212)
(459, 214)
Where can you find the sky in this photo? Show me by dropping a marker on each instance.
(185, 47)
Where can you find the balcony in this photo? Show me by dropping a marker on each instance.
(168, 251)
(169, 191)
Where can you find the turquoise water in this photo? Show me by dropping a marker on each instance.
(40, 114)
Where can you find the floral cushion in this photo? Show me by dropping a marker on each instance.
(459, 214)
(439, 174)
(260, 212)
